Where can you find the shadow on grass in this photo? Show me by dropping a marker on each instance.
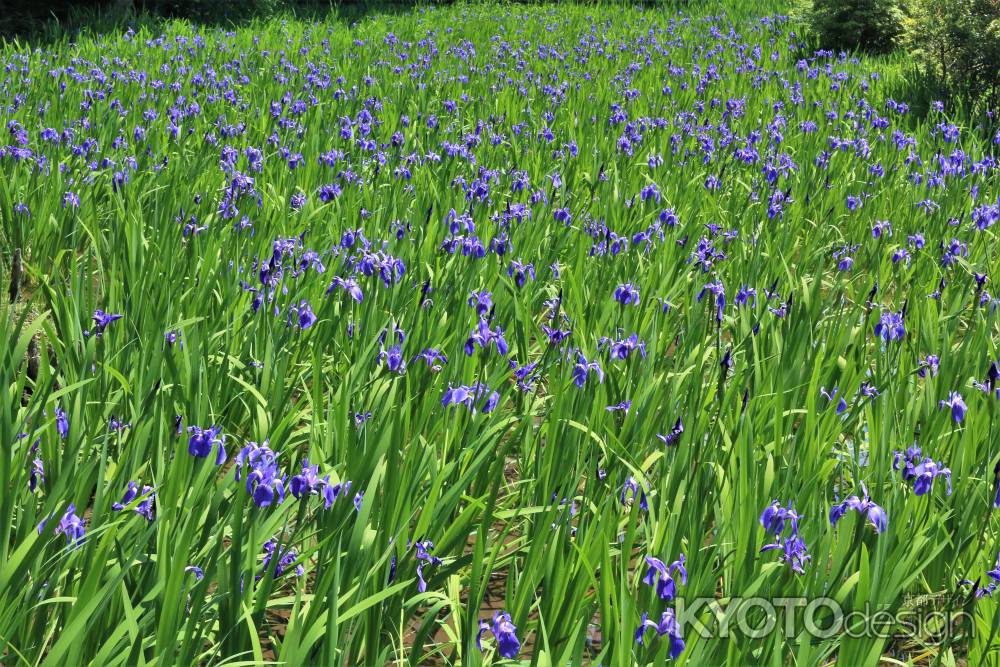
(38, 23)
(904, 81)
(28, 24)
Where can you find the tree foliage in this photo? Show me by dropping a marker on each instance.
(957, 45)
(875, 26)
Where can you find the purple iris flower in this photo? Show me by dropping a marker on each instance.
(285, 558)
(462, 394)
(483, 336)
(718, 290)
(392, 570)
(781, 311)
(890, 326)
(929, 363)
(146, 508)
(660, 577)
(583, 368)
(525, 376)
(62, 423)
(632, 491)
(920, 470)
(432, 356)
(627, 294)
(829, 396)
(620, 349)
(705, 255)
(956, 404)
(672, 438)
(101, 321)
(307, 482)
(650, 191)
(393, 358)
(774, 517)
(504, 632)
(70, 525)
(882, 228)
(481, 301)
(556, 336)
(991, 587)
(667, 626)
(202, 441)
(329, 192)
(36, 476)
(520, 272)
(991, 384)
(868, 390)
(302, 315)
(624, 406)
(874, 513)
(793, 551)
(349, 285)
(745, 295)
(264, 481)
(425, 558)
(469, 395)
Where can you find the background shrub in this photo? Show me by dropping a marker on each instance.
(957, 45)
(17, 16)
(31, 17)
(875, 26)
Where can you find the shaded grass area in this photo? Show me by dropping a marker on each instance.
(42, 23)
(46, 22)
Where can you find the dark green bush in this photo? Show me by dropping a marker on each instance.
(957, 45)
(211, 10)
(24, 16)
(875, 26)
(37, 17)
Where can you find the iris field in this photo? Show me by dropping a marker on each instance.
(489, 334)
